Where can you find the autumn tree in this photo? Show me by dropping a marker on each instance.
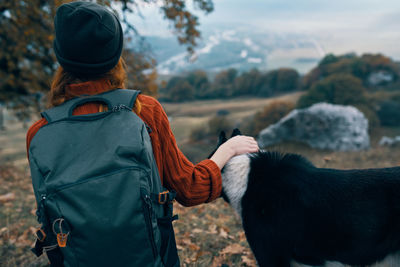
(27, 61)
(278, 81)
(358, 66)
(223, 84)
(142, 75)
(199, 80)
(342, 89)
(248, 83)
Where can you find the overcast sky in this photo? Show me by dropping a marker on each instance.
(340, 25)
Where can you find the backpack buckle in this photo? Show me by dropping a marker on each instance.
(40, 234)
(163, 197)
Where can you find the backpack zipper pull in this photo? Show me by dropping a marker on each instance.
(61, 236)
(62, 239)
(120, 107)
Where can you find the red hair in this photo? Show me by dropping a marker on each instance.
(58, 94)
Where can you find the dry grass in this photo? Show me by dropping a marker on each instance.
(247, 105)
(186, 116)
(208, 234)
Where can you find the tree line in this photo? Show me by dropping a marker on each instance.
(229, 83)
(350, 73)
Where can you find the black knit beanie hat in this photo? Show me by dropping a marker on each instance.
(89, 38)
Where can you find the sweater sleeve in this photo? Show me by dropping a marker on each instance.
(32, 131)
(194, 184)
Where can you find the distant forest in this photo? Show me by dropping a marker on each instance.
(370, 71)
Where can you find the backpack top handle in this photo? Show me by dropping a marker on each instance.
(81, 101)
(112, 98)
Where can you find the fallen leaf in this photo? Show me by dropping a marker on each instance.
(3, 230)
(7, 197)
(223, 233)
(249, 261)
(193, 246)
(217, 261)
(198, 255)
(233, 249)
(212, 229)
(242, 236)
(197, 230)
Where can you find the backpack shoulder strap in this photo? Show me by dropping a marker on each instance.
(112, 98)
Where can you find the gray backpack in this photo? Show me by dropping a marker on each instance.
(99, 195)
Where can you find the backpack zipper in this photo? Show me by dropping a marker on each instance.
(120, 107)
(40, 209)
(148, 220)
(65, 186)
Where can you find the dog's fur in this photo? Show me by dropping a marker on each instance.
(292, 210)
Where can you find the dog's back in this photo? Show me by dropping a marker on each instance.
(293, 210)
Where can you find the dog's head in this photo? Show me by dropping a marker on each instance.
(222, 139)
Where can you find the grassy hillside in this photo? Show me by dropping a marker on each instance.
(186, 116)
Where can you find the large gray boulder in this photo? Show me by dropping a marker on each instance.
(324, 126)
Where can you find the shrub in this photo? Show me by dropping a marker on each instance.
(271, 114)
(215, 125)
(370, 114)
(287, 80)
(198, 133)
(360, 67)
(219, 123)
(389, 113)
(343, 89)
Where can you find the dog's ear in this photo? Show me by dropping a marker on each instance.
(235, 132)
(222, 138)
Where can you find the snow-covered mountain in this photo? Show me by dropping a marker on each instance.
(243, 50)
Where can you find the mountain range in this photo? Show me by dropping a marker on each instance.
(240, 49)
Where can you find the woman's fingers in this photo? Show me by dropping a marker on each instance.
(242, 144)
(237, 145)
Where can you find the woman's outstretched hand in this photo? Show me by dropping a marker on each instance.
(234, 146)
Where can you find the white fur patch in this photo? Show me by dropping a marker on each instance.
(234, 180)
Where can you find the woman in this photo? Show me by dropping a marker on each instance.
(88, 47)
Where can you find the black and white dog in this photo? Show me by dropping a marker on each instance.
(294, 211)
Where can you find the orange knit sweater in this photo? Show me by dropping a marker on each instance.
(194, 184)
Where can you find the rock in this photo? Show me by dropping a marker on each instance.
(387, 141)
(380, 77)
(323, 126)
